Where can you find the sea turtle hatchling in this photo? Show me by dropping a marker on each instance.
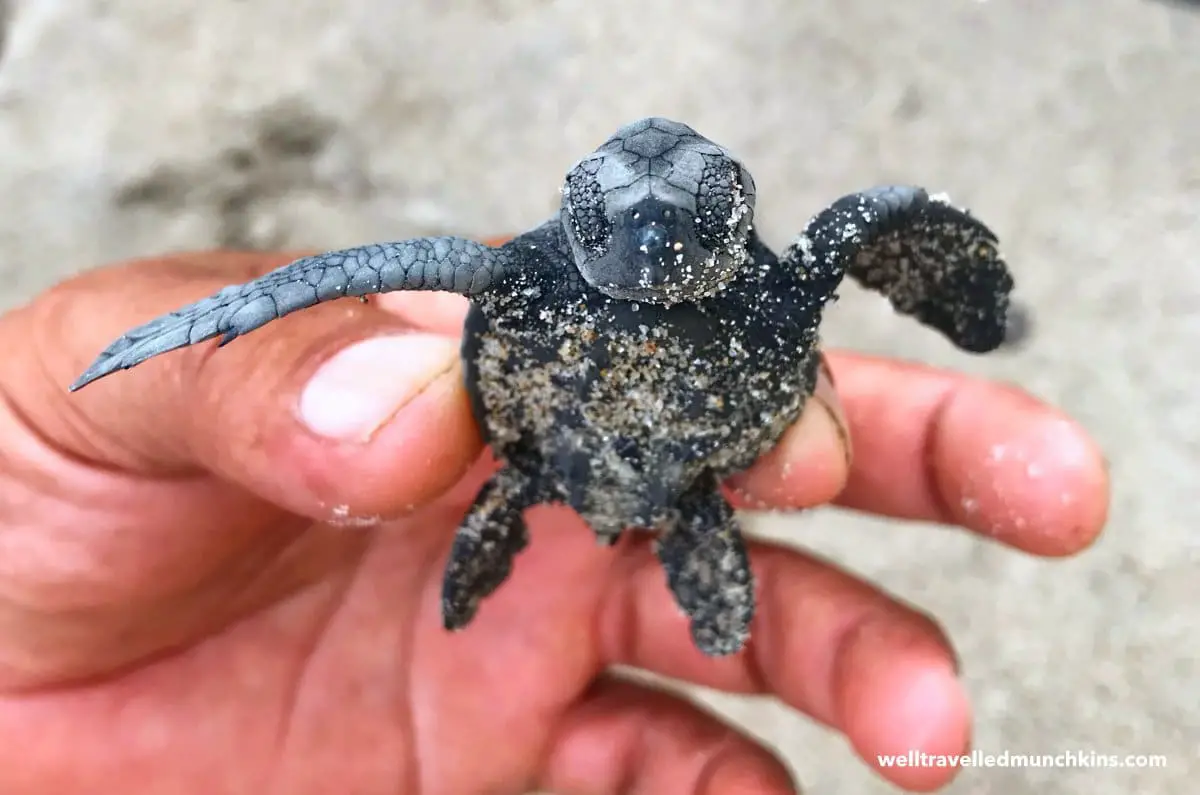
(638, 347)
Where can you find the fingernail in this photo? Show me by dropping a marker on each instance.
(360, 388)
(826, 396)
(823, 369)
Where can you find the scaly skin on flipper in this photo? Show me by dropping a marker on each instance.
(708, 569)
(484, 547)
(628, 354)
(932, 260)
(438, 263)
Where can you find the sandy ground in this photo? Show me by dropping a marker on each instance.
(134, 126)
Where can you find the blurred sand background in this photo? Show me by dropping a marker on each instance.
(132, 127)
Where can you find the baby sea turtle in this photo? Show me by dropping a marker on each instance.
(628, 354)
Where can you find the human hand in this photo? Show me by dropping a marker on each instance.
(194, 598)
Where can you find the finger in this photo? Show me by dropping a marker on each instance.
(932, 445)
(339, 411)
(625, 738)
(823, 641)
(439, 313)
(809, 465)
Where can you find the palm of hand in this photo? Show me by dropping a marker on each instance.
(173, 620)
(312, 654)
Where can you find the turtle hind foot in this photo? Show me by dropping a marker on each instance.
(487, 541)
(704, 556)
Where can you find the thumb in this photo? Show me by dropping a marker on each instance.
(339, 411)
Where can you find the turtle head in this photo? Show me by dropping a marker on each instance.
(658, 214)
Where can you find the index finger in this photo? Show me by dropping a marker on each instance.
(936, 446)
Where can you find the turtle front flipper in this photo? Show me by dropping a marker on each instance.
(932, 260)
(448, 264)
(708, 569)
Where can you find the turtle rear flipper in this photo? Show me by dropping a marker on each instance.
(708, 572)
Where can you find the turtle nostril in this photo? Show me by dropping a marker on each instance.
(653, 239)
